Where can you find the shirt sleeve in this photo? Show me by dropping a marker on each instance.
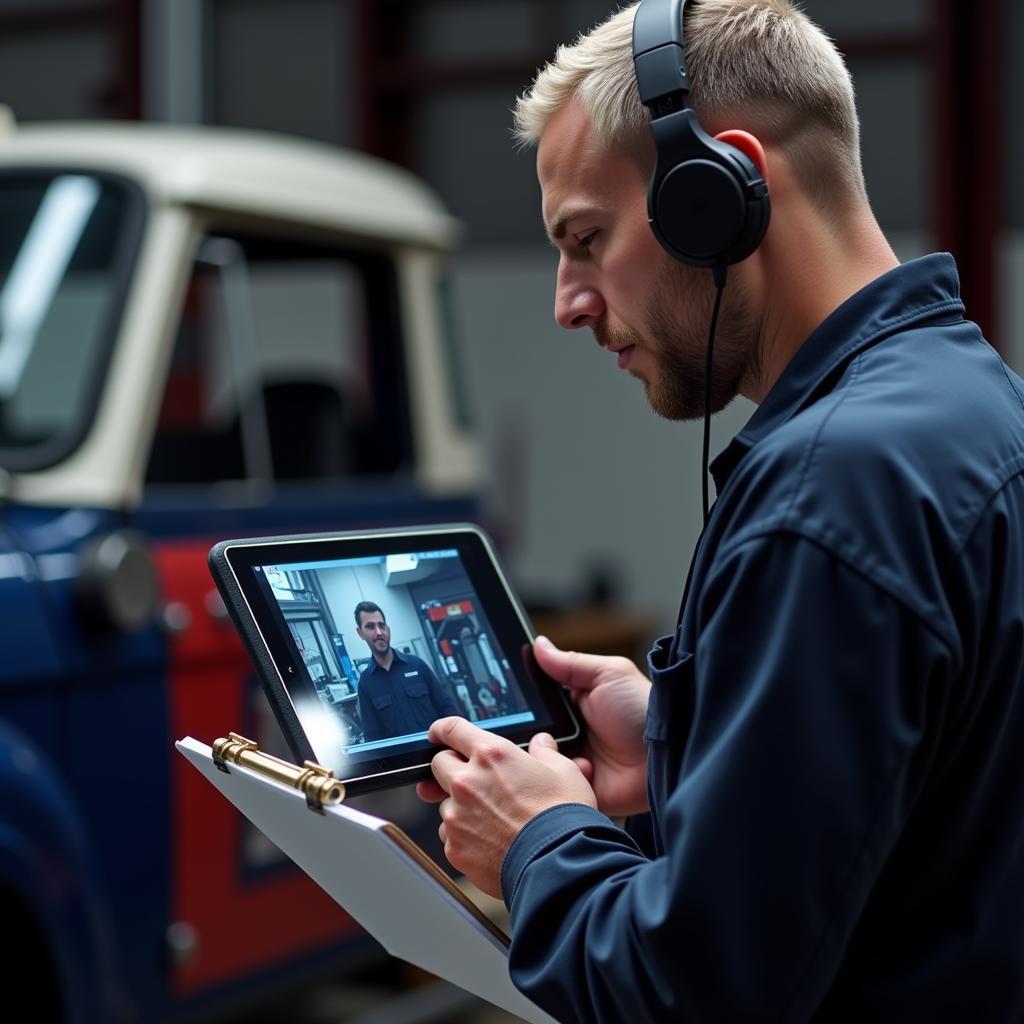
(815, 690)
(373, 728)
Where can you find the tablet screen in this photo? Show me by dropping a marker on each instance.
(373, 639)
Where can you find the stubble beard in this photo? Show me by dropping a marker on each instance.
(677, 319)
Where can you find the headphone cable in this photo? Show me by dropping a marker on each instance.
(719, 272)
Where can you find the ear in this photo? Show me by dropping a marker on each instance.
(750, 146)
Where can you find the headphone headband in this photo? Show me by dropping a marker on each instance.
(659, 57)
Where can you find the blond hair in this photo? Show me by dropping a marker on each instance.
(761, 65)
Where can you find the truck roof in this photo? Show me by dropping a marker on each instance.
(245, 172)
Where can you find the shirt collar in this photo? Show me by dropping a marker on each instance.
(375, 665)
(908, 295)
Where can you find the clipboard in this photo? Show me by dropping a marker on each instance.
(369, 866)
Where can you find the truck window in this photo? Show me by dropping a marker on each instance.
(67, 244)
(287, 366)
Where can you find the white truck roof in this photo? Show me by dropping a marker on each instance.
(189, 174)
(246, 172)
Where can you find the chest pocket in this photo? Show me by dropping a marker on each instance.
(415, 686)
(382, 701)
(673, 694)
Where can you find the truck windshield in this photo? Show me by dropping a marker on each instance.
(67, 242)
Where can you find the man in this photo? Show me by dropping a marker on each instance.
(398, 693)
(831, 748)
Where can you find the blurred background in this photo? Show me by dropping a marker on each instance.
(595, 483)
(594, 502)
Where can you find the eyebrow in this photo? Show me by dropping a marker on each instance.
(570, 213)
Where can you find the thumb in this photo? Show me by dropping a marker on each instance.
(544, 748)
(570, 668)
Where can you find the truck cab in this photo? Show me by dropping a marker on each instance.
(203, 333)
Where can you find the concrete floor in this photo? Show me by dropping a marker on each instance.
(413, 1000)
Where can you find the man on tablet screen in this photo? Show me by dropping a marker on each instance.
(398, 693)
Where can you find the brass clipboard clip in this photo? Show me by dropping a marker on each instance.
(315, 783)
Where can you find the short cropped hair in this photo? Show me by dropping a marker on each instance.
(760, 65)
(369, 607)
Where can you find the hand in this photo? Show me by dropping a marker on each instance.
(612, 695)
(489, 789)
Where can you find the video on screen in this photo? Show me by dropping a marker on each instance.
(390, 643)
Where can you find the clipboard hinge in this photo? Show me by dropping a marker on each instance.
(231, 747)
(315, 783)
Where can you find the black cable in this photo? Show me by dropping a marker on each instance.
(719, 272)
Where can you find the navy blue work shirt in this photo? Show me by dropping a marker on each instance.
(400, 700)
(836, 730)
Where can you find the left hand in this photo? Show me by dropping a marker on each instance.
(489, 788)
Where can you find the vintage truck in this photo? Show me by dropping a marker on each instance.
(203, 333)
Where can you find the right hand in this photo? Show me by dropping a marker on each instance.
(612, 695)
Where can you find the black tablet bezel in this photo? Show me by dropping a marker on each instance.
(260, 624)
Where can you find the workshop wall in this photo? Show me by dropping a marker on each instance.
(583, 478)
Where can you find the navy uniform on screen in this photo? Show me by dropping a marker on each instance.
(398, 693)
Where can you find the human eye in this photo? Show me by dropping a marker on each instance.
(587, 240)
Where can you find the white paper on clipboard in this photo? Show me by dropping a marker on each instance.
(379, 877)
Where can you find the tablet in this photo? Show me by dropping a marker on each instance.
(362, 639)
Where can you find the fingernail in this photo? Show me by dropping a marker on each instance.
(543, 641)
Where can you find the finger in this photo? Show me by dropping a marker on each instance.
(541, 745)
(586, 767)
(429, 791)
(445, 810)
(572, 669)
(543, 739)
(445, 766)
(544, 748)
(456, 734)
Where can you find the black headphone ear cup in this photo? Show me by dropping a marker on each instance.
(700, 209)
(708, 203)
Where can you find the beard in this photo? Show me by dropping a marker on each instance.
(677, 319)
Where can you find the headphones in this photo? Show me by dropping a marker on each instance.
(707, 202)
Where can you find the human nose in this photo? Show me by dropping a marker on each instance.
(577, 303)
